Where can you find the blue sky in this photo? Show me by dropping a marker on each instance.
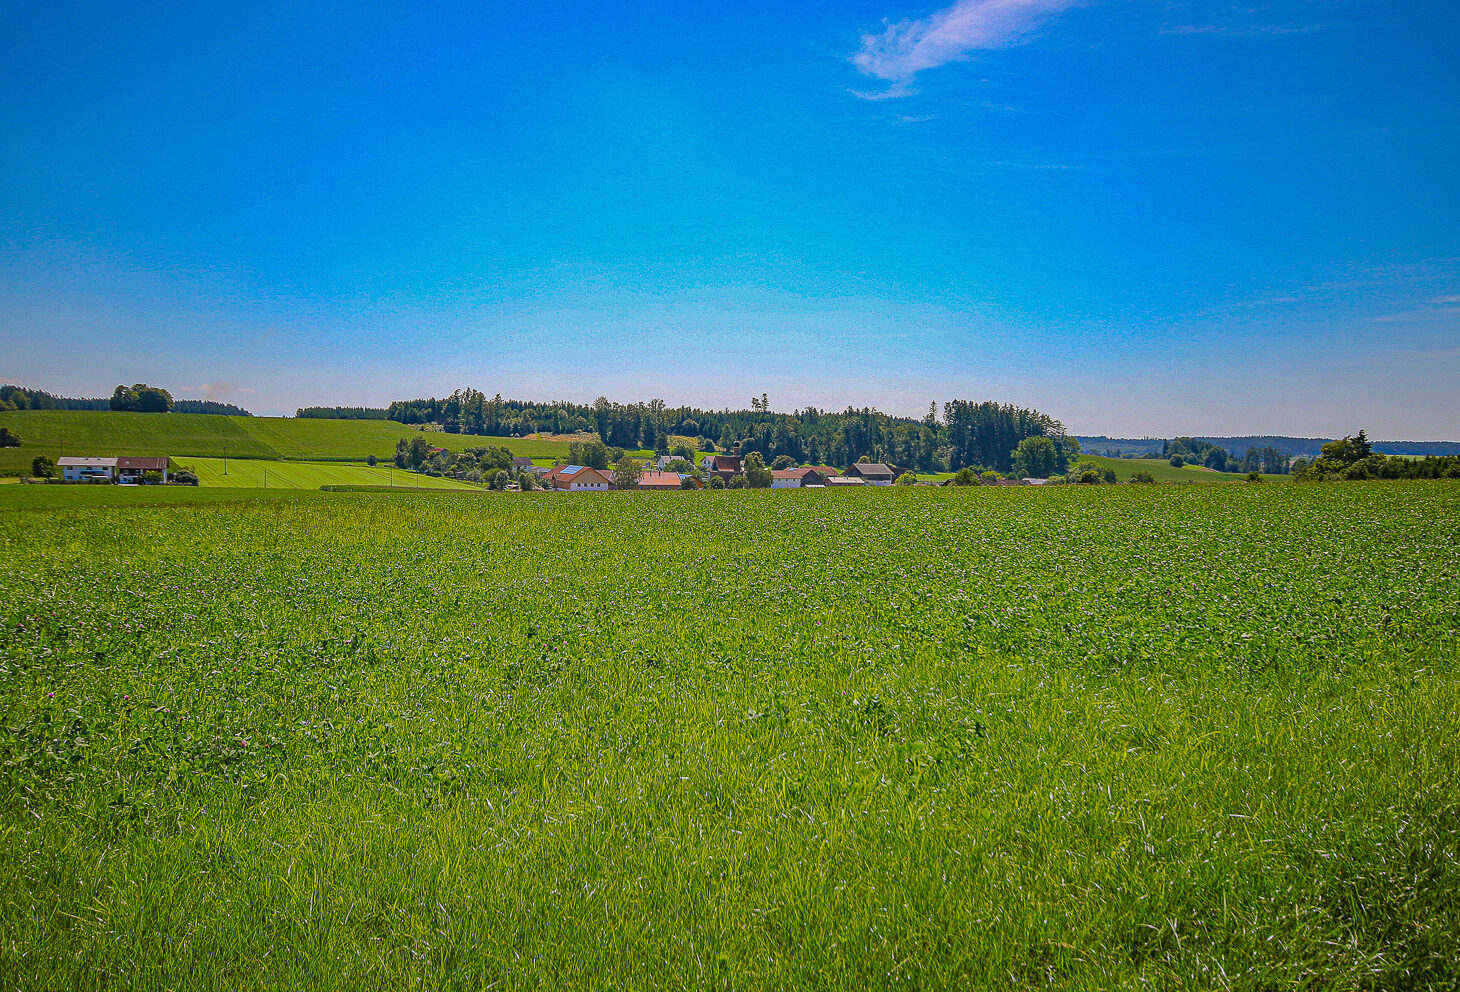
(1141, 217)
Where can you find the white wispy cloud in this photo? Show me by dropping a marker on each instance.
(904, 49)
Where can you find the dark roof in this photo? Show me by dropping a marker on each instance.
(147, 463)
(725, 463)
(521, 461)
(869, 469)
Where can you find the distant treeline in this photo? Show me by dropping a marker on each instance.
(342, 413)
(16, 398)
(1308, 447)
(209, 406)
(967, 435)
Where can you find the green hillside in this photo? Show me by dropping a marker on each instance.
(181, 435)
(258, 474)
(1161, 470)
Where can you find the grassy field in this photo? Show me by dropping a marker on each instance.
(309, 475)
(183, 435)
(1161, 470)
(1079, 738)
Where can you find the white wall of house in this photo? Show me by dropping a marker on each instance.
(84, 473)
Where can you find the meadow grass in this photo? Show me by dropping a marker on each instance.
(1086, 738)
(183, 435)
(1162, 470)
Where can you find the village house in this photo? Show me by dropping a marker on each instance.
(132, 469)
(796, 478)
(665, 480)
(577, 479)
(872, 473)
(522, 463)
(75, 469)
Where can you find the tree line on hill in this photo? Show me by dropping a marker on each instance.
(968, 434)
(139, 398)
(341, 413)
(1268, 459)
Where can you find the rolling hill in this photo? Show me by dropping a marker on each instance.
(1161, 470)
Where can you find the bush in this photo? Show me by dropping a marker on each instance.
(182, 477)
(372, 461)
(965, 477)
(907, 479)
(1177, 461)
(716, 482)
(8, 439)
(1143, 477)
(739, 482)
(991, 476)
(1254, 476)
(42, 467)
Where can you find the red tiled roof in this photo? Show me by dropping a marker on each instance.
(147, 463)
(659, 480)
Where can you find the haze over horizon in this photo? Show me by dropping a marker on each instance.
(1142, 218)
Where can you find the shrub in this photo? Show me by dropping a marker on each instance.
(42, 467)
(1177, 461)
(1143, 477)
(965, 477)
(907, 479)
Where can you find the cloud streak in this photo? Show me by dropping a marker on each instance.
(904, 49)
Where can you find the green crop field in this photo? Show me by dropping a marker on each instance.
(183, 435)
(243, 473)
(1181, 737)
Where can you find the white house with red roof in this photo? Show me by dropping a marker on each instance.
(577, 479)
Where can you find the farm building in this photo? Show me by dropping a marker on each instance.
(577, 479)
(843, 481)
(796, 478)
(872, 473)
(133, 469)
(75, 469)
(521, 462)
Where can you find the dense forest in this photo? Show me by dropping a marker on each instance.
(968, 434)
(342, 413)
